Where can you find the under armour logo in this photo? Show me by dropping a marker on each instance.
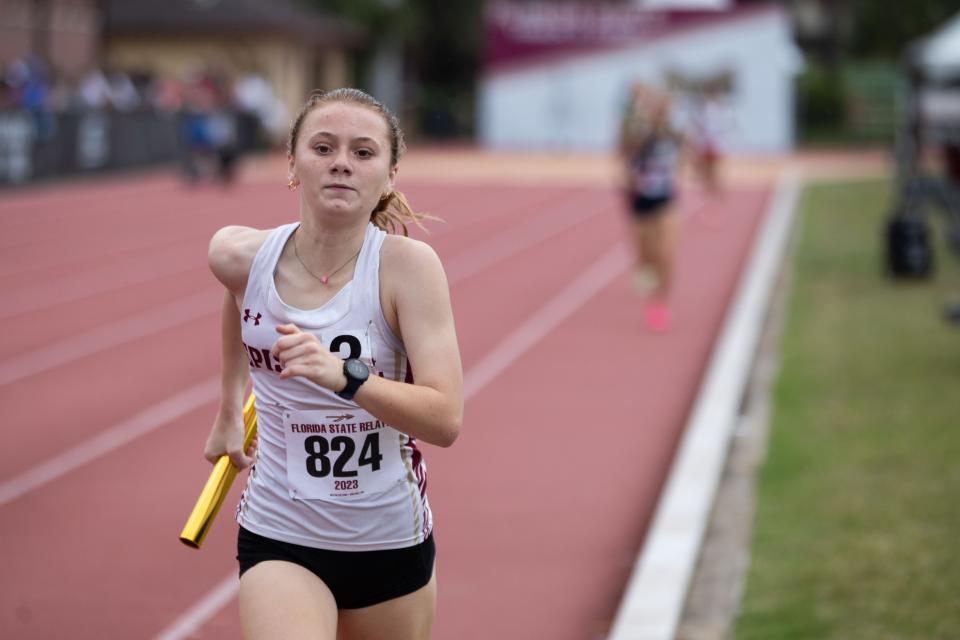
(256, 318)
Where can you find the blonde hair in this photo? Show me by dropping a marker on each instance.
(647, 116)
(393, 210)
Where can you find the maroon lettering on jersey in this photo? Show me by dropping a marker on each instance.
(256, 356)
(270, 365)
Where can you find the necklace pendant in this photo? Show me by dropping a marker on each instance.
(324, 279)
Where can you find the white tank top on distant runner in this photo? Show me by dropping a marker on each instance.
(328, 474)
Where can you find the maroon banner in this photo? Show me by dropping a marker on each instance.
(515, 31)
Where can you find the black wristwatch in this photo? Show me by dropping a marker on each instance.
(356, 373)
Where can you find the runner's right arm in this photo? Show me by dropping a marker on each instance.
(226, 436)
(230, 255)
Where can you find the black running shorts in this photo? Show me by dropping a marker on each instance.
(643, 206)
(356, 578)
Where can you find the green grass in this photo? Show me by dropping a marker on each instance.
(857, 531)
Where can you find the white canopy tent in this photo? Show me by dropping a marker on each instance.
(932, 104)
(934, 67)
(938, 55)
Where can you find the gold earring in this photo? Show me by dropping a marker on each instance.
(292, 186)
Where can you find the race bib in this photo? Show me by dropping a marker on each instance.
(338, 455)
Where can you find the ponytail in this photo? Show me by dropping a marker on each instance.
(394, 211)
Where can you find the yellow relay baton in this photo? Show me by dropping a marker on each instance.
(218, 484)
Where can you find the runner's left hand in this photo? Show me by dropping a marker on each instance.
(301, 354)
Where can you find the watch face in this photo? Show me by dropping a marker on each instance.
(356, 369)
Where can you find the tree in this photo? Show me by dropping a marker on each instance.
(876, 33)
(439, 45)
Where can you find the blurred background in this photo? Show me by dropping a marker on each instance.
(513, 110)
(79, 76)
(97, 85)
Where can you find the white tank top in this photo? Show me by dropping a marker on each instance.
(328, 474)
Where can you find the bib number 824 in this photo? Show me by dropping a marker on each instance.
(318, 448)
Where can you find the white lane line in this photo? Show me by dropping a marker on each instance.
(468, 263)
(518, 342)
(653, 600)
(69, 197)
(147, 264)
(116, 436)
(187, 624)
(515, 239)
(178, 258)
(139, 269)
(547, 318)
(143, 268)
(107, 336)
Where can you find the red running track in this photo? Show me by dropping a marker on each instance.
(108, 387)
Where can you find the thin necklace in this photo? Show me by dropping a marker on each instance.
(322, 279)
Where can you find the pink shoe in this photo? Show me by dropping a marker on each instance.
(656, 315)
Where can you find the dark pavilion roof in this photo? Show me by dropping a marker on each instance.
(197, 17)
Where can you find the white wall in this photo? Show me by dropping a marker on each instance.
(575, 103)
